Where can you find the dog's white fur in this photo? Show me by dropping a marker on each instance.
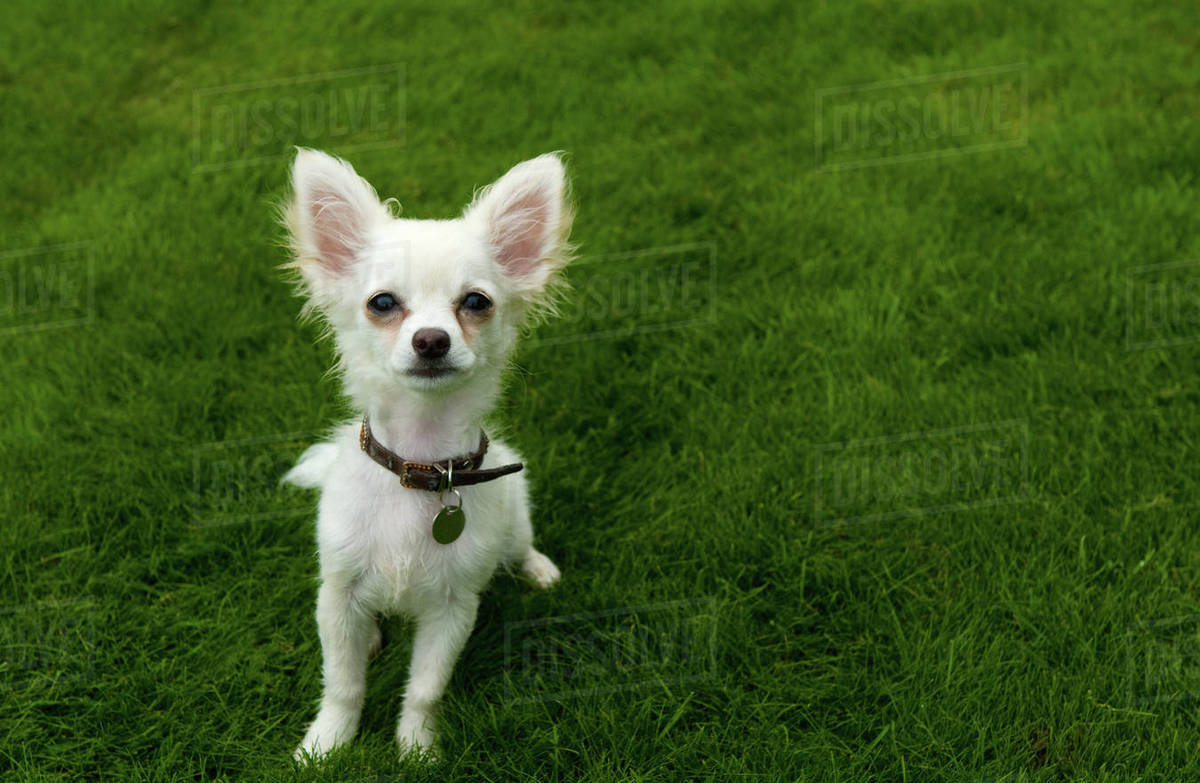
(377, 553)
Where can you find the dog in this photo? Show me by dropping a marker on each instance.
(417, 508)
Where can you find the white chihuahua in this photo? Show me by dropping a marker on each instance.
(417, 509)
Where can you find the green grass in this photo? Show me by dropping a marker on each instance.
(1005, 628)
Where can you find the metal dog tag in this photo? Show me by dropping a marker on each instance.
(449, 523)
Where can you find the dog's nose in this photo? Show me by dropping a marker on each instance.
(431, 343)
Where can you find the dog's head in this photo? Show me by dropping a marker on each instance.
(427, 305)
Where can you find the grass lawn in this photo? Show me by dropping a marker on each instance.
(867, 444)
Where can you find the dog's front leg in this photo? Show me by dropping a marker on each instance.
(347, 633)
(441, 634)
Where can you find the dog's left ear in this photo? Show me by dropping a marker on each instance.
(525, 217)
(329, 219)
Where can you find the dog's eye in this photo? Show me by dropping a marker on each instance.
(382, 304)
(476, 302)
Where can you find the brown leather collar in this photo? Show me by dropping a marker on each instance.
(434, 477)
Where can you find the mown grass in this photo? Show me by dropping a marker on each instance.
(158, 588)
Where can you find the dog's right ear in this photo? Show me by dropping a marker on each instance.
(525, 218)
(329, 218)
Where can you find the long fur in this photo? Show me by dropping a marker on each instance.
(377, 554)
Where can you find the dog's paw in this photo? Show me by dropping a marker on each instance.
(414, 735)
(540, 569)
(327, 732)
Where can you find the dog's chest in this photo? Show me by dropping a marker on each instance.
(383, 532)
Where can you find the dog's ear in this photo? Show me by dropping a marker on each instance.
(525, 217)
(330, 216)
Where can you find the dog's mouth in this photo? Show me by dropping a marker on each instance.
(432, 371)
